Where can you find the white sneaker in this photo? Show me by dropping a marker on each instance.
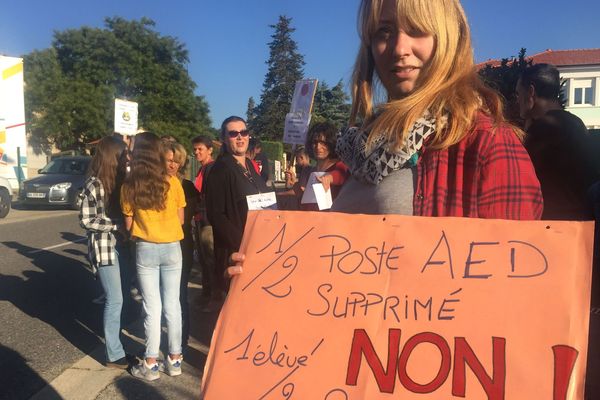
(145, 371)
(171, 367)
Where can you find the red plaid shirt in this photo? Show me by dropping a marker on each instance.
(486, 175)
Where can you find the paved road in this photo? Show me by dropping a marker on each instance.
(50, 331)
(47, 319)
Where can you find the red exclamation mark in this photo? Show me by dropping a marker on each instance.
(564, 362)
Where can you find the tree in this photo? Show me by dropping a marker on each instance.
(331, 104)
(251, 111)
(503, 78)
(285, 68)
(70, 87)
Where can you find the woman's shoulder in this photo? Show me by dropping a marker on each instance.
(487, 131)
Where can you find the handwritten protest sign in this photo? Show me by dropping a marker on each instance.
(335, 307)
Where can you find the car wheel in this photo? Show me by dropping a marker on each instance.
(4, 202)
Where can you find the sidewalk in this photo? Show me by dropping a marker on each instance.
(88, 379)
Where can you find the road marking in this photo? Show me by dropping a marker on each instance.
(56, 246)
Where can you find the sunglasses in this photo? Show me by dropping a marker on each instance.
(234, 134)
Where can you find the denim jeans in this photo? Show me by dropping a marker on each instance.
(110, 278)
(159, 273)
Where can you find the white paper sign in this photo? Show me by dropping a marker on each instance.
(324, 200)
(262, 201)
(304, 93)
(126, 117)
(314, 192)
(298, 119)
(296, 128)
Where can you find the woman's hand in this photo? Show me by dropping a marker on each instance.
(326, 181)
(290, 177)
(235, 267)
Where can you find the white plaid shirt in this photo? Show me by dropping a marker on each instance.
(100, 228)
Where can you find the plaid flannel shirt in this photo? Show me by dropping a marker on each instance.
(93, 218)
(487, 175)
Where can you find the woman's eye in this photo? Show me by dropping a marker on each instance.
(383, 32)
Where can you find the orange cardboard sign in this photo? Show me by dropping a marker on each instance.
(338, 307)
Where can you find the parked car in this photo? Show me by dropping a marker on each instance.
(5, 197)
(59, 183)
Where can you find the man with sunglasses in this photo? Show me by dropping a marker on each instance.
(230, 182)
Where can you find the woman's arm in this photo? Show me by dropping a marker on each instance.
(91, 216)
(508, 185)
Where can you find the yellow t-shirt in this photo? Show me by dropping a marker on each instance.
(159, 226)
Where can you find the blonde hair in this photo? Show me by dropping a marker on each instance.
(448, 85)
(179, 156)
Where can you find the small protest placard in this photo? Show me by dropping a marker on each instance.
(337, 307)
(298, 119)
(126, 117)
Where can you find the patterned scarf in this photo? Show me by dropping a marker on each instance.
(381, 161)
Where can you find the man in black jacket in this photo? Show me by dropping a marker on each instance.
(558, 144)
(231, 180)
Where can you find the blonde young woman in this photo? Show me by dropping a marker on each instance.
(176, 158)
(436, 144)
(153, 203)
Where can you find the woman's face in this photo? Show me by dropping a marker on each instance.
(400, 55)
(172, 165)
(236, 138)
(320, 148)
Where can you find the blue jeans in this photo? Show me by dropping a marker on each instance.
(159, 274)
(110, 278)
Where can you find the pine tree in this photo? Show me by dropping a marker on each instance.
(285, 68)
(251, 111)
(331, 104)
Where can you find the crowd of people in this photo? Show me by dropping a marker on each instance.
(437, 145)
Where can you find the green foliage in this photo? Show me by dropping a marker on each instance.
(285, 67)
(503, 79)
(71, 87)
(273, 150)
(331, 104)
(251, 111)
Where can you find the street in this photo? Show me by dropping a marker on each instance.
(50, 327)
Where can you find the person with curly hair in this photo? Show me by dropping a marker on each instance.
(153, 204)
(320, 146)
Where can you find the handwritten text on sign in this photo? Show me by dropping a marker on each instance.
(334, 307)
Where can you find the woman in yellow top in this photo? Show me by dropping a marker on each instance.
(153, 203)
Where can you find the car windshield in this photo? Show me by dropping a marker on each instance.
(65, 166)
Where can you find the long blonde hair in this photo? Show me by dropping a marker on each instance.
(448, 85)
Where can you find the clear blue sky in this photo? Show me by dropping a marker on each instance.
(227, 39)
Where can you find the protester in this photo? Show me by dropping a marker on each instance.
(558, 143)
(320, 144)
(231, 180)
(439, 145)
(203, 148)
(153, 204)
(176, 158)
(294, 170)
(261, 160)
(100, 215)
